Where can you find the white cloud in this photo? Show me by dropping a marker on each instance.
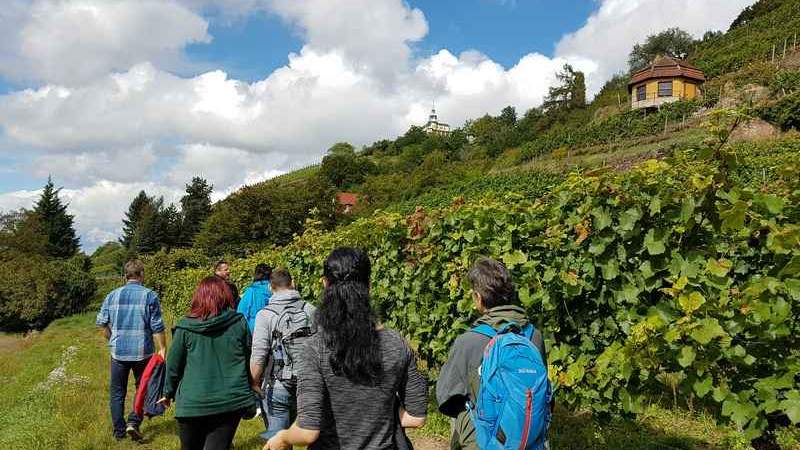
(610, 33)
(124, 165)
(73, 41)
(373, 36)
(227, 169)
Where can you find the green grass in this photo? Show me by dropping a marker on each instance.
(72, 413)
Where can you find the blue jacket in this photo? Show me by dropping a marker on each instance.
(255, 297)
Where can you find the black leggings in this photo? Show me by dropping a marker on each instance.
(208, 432)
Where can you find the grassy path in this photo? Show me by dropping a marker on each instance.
(54, 394)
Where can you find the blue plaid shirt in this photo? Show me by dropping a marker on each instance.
(133, 313)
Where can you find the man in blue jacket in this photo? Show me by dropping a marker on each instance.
(256, 296)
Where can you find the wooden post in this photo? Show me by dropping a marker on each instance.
(785, 41)
(794, 41)
(773, 53)
(619, 100)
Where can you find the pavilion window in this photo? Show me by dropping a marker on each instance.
(665, 88)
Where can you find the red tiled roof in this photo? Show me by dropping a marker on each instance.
(667, 67)
(347, 198)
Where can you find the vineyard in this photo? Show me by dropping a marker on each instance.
(677, 278)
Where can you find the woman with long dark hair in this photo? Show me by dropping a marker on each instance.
(353, 370)
(207, 371)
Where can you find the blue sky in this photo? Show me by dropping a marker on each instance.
(132, 95)
(249, 48)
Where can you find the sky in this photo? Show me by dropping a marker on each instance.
(110, 97)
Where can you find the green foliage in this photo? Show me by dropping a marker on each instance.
(55, 223)
(108, 260)
(21, 233)
(34, 290)
(343, 168)
(785, 113)
(751, 12)
(148, 225)
(669, 277)
(195, 209)
(268, 213)
(750, 40)
(627, 125)
(569, 92)
(672, 42)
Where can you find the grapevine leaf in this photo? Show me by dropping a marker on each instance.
(772, 203)
(707, 330)
(718, 268)
(654, 242)
(602, 218)
(791, 405)
(692, 302)
(702, 387)
(629, 218)
(733, 217)
(687, 356)
(514, 258)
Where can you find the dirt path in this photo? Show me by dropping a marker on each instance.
(429, 443)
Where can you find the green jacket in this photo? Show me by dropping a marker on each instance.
(207, 369)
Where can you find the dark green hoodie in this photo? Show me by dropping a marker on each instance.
(207, 369)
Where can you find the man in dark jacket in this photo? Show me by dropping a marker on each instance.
(222, 269)
(496, 300)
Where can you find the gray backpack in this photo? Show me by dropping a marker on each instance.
(293, 327)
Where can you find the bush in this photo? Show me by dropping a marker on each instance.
(785, 113)
(35, 291)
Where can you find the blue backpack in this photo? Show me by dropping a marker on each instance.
(513, 405)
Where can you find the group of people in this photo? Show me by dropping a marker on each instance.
(325, 377)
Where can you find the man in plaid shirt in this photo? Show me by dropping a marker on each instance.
(130, 319)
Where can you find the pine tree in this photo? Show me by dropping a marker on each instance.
(568, 93)
(172, 221)
(195, 207)
(56, 224)
(149, 233)
(132, 217)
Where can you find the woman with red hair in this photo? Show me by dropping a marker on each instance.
(207, 369)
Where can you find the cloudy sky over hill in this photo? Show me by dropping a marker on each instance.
(115, 96)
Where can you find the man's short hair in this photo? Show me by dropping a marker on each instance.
(219, 264)
(281, 278)
(262, 272)
(134, 269)
(492, 281)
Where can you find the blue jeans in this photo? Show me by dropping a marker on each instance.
(118, 388)
(280, 408)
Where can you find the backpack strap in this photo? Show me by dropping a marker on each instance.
(485, 330)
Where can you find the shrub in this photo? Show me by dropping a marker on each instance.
(34, 290)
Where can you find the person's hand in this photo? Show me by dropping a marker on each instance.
(164, 401)
(277, 443)
(257, 389)
(162, 352)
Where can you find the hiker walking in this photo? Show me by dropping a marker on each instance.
(513, 369)
(207, 370)
(256, 296)
(223, 270)
(130, 318)
(353, 370)
(281, 328)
